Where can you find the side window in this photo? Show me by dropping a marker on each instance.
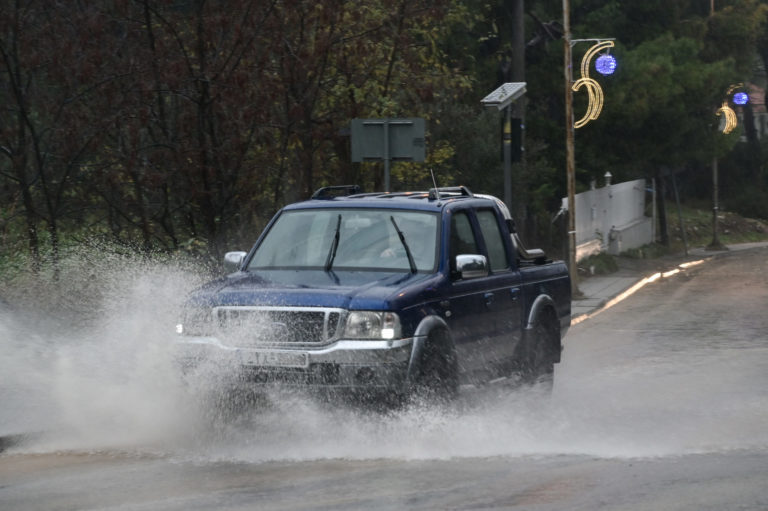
(462, 237)
(494, 242)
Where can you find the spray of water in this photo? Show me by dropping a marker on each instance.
(87, 360)
(88, 365)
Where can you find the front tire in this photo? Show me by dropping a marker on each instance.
(437, 379)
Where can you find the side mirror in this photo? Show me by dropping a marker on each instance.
(471, 266)
(233, 260)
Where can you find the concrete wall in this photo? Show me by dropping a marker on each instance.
(612, 219)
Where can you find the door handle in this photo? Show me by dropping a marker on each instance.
(515, 292)
(488, 299)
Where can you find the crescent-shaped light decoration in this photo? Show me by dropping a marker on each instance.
(595, 106)
(731, 120)
(734, 87)
(594, 91)
(730, 117)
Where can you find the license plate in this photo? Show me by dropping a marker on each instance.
(275, 358)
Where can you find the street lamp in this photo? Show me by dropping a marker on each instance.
(502, 99)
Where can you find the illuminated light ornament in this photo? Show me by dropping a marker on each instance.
(595, 105)
(730, 117)
(605, 64)
(594, 91)
(740, 98)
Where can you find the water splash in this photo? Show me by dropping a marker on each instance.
(89, 366)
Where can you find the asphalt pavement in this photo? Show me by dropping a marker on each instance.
(597, 292)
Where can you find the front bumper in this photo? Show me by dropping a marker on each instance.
(343, 364)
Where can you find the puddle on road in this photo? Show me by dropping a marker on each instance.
(96, 374)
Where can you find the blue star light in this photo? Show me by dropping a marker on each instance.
(740, 98)
(605, 64)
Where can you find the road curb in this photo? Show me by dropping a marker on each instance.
(609, 302)
(703, 256)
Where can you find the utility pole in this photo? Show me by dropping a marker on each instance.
(515, 129)
(570, 156)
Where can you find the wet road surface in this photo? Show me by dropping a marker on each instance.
(661, 402)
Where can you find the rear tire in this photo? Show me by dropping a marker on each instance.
(538, 360)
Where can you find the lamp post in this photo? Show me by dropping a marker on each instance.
(605, 66)
(731, 121)
(715, 243)
(502, 99)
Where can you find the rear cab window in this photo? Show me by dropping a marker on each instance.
(494, 240)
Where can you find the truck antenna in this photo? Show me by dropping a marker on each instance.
(434, 193)
(434, 182)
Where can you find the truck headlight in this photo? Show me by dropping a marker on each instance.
(372, 325)
(194, 321)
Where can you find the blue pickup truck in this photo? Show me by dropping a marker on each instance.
(386, 294)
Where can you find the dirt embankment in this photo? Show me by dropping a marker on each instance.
(731, 228)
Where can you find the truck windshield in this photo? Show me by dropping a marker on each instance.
(367, 240)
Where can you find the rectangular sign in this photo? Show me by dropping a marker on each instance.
(388, 139)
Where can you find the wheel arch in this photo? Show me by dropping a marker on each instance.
(545, 309)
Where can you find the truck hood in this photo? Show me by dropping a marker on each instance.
(343, 289)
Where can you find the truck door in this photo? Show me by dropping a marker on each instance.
(478, 309)
(505, 290)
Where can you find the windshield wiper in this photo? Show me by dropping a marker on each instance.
(405, 245)
(334, 246)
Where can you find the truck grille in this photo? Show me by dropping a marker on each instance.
(252, 327)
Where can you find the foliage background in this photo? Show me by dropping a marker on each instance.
(183, 125)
